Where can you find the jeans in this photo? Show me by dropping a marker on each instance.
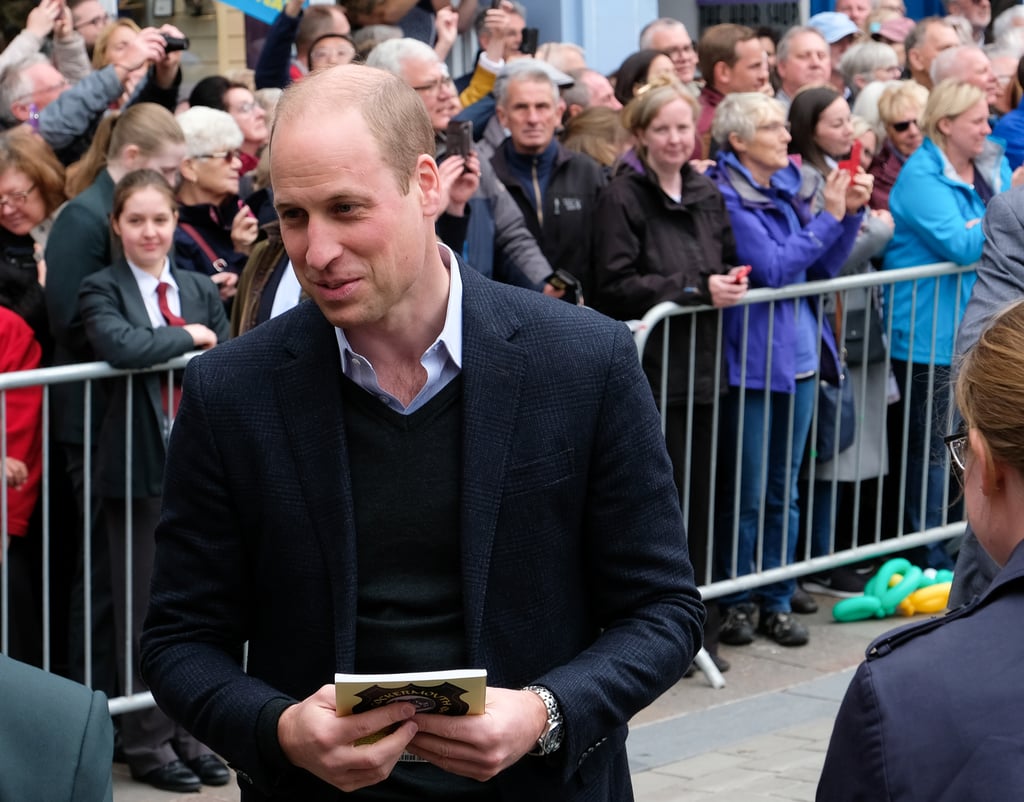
(932, 453)
(776, 499)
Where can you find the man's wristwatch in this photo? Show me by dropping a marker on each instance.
(551, 738)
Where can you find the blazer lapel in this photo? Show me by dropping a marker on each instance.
(136, 313)
(316, 437)
(492, 374)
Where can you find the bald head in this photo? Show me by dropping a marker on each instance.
(394, 113)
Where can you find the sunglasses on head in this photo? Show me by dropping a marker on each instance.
(903, 125)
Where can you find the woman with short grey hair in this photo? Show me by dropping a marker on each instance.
(773, 350)
(216, 229)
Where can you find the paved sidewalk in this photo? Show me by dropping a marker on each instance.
(762, 738)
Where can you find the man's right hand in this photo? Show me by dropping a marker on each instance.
(314, 738)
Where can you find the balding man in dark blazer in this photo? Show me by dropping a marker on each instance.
(418, 469)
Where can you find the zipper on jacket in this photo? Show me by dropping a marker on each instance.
(536, 193)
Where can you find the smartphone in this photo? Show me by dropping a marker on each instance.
(528, 47)
(564, 280)
(172, 44)
(742, 273)
(459, 138)
(852, 164)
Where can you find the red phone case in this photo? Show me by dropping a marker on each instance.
(851, 164)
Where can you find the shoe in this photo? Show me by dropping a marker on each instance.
(783, 629)
(720, 663)
(845, 582)
(210, 770)
(802, 602)
(175, 776)
(737, 625)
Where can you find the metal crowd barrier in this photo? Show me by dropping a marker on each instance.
(665, 316)
(881, 542)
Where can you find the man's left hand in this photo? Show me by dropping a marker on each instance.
(481, 746)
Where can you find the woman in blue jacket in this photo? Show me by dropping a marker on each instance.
(774, 347)
(937, 203)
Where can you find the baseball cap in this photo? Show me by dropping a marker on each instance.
(896, 29)
(833, 25)
(529, 64)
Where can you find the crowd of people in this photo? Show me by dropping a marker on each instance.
(139, 221)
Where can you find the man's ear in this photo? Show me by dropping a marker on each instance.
(502, 116)
(427, 179)
(21, 111)
(721, 75)
(914, 60)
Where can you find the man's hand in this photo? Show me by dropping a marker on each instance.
(314, 738)
(481, 746)
(227, 284)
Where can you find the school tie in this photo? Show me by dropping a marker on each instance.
(165, 310)
(171, 393)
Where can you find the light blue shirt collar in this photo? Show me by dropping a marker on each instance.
(442, 360)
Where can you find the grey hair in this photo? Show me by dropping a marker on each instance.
(651, 28)
(864, 58)
(208, 131)
(740, 113)
(579, 93)
(554, 53)
(1006, 22)
(782, 49)
(866, 104)
(946, 63)
(15, 84)
(534, 75)
(393, 53)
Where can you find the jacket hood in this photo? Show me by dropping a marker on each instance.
(988, 162)
(631, 165)
(787, 182)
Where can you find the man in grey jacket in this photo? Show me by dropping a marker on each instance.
(517, 257)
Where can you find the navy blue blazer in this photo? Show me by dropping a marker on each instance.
(935, 712)
(574, 562)
(121, 333)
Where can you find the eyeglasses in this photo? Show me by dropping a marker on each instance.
(903, 125)
(227, 155)
(102, 19)
(680, 51)
(774, 127)
(42, 91)
(16, 199)
(957, 445)
(434, 86)
(245, 108)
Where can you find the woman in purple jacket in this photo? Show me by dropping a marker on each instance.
(774, 351)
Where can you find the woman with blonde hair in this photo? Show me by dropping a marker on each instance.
(937, 202)
(899, 113)
(663, 235)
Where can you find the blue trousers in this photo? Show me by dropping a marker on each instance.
(765, 479)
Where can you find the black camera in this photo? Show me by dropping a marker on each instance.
(172, 44)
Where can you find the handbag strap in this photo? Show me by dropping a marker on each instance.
(218, 262)
(837, 332)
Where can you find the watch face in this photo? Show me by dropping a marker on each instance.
(552, 739)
